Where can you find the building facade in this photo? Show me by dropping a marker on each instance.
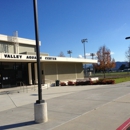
(18, 64)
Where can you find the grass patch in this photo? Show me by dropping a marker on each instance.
(120, 80)
(119, 77)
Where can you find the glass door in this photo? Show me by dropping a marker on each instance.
(8, 75)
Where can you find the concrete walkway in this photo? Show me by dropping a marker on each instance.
(93, 107)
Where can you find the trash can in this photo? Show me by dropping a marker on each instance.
(57, 82)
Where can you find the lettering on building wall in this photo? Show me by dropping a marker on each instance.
(19, 56)
(32, 57)
(50, 58)
(12, 56)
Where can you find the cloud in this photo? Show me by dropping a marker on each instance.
(80, 56)
(87, 54)
(112, 53)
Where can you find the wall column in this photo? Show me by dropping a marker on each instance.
(76, 71)
(57, 72)
(29, 73)
(35, 70)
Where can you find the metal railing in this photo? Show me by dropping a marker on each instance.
(48, 83)
(23, 86)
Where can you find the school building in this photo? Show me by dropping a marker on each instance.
(18, 64)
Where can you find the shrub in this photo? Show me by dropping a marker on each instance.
(105, 81)
(71, 83)
(91, 82)
(110, 81)
(77, 83)
(62, 83)
(84, 83)
(98, 82)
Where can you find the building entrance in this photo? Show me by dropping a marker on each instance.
(13, 73)
(8, 78)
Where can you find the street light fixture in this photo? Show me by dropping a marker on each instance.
(127, 38)
(83, 41)
(129, 50)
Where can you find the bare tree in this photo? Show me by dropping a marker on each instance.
(69, 52)
(127, 54)
(61, 54)
(105, 62)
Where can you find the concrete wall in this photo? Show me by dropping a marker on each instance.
(34, 53)
(66, 71)
(49, 71)
(6, 47)
(11, 39)
(29, 48)
(62, 71)
(79, 70)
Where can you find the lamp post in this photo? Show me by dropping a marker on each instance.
(38, 54)
(129, 50)
(83, 41)
(40, 107)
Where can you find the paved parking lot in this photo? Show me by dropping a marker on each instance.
(93, 107)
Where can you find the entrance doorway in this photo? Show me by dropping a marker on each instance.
(13, 73)
(8, 74)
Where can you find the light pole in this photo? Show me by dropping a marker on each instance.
(40, 107)
(128, 51)
(38, 54)
(83, 41)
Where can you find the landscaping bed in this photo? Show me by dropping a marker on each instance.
(88, 82)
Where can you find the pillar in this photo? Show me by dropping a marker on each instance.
(29, 73)
(35, 69)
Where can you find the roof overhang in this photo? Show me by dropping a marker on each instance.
(8, 57)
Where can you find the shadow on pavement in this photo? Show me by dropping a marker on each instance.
(17, 125)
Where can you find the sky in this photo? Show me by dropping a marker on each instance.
(64, 23)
